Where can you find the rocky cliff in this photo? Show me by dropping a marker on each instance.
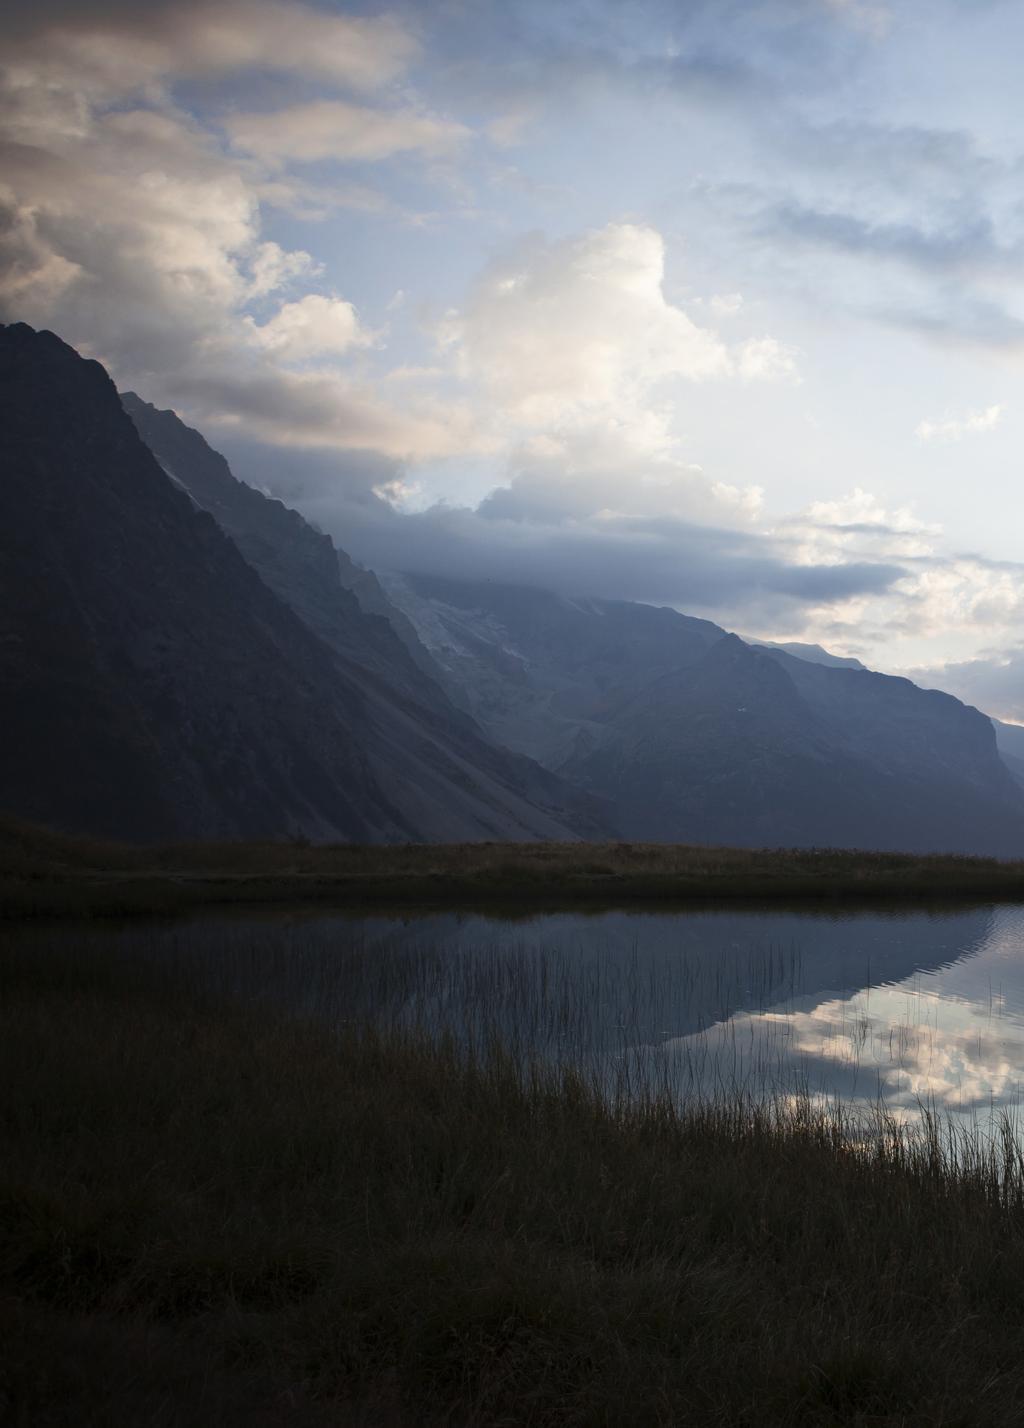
(154, 684)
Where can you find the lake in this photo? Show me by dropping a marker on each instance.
(908, 1008)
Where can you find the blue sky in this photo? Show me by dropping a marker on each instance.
(711, 304)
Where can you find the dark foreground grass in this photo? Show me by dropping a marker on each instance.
(46, 874)
(211, 1215)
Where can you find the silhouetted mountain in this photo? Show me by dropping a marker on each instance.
(151, 683)
(340, 601)
(492, 792)
(181, 655)
(814, 654)
(696, 736)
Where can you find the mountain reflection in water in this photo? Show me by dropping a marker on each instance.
(910, 1008)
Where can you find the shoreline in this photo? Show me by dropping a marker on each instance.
(47, 875)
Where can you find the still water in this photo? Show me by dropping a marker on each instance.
(913, 1009)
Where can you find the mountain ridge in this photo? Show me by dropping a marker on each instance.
(693, 738)
(154, 685)
(188, 656)
(402, 685)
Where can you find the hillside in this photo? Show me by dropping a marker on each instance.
(695, 736)
(153, 685)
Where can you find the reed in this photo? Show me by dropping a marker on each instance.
(219, 1207)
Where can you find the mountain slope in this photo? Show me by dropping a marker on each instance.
(1010, 743)
(539, 671)
(429, 754)
(298, 562)
(696, 736)
(151, 683)
(813, 654)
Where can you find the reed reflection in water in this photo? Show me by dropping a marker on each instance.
(906, 1008)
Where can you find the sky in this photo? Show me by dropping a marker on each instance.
(716, 304)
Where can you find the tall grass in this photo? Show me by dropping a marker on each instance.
(565, 1000)
(212, 1211)
(47, 874)
(675, 1003)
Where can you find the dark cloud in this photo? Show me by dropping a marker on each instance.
(298, 477)
(965, 243)
(957, 318)
(944, 162)
(663, 561)
(993, 682)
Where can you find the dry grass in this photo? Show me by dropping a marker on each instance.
(47, 874)
(216, 1214)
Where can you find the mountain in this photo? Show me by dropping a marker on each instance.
(343, 604)
(695, 735)
(183, 656)
(470, 787)
(814, 654)
(1010, 743)
(336, 598)
(154, 684)
(542, 672)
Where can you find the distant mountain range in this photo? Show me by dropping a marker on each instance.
(183, 656)
(696, 736)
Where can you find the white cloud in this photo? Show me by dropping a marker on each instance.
(577, 362)
(581, 330)
(598, 475)
(273, 267)
(951, 428)
(942, 599)
(312, 326)
(859, 525)
(726, 304)
(120, 49)
(336, 129)
(764, 359)
(134, 237)
(126, 227)
(131, 230)
(316, 408)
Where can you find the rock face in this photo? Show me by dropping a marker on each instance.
(696, 736)
(338, 600)
(433, 759)
(543, 673)
(154, 685)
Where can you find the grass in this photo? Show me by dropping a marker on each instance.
(213, 1213)
(48, 874)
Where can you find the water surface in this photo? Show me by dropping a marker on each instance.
(907, 1008)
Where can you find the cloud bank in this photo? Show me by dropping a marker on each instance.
(179, 189)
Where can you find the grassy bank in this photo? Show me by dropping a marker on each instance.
(46, 874)
(215, 1215)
